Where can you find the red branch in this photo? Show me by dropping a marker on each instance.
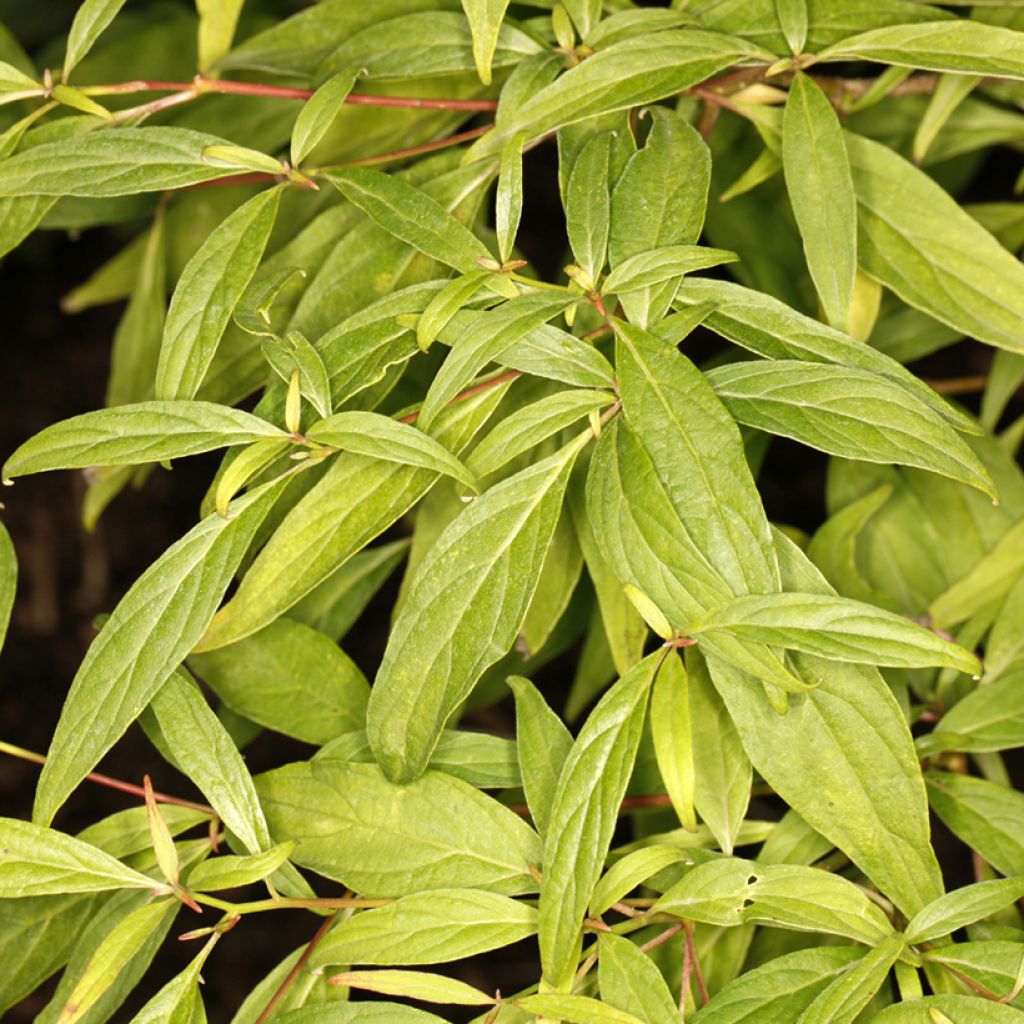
(282, 989)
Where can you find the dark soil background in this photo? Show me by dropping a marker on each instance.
(53, 366)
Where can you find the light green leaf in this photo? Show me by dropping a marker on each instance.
(427, 988)
(120, 162)
(129, 435)
(410, 214)
(629, 872)
(950, 92)
(251, 461)
(672, 728)
(764, 325)
(295, 354)
(958, 45)
(792, 16)
(989, 718)
(357, 499)
(230, 872)
(956, 1010)
(8, 580)
(145, 639)
(574, 1009)
(38, 861)
(723, 772)
(217, 21)
(91, 18)
(207, 292)
(962, 907)
(780, 989)
(206, 754)
(991, 578)
(843, 758)
(655, 266)
(242, 158)
(380, 839)
(358, 1013)
(918, 241)
(380, 437)
(486, 336)
(542, 744)
(630, 981)
(585, 14)
(729, 892)
(995, 964)
(588, 206)
(318, 114)
(508, 200)
(485, 23)
(629, 73)
(584, 814)
(428, 928)
(815, 164)
(532, 424)
(476, 581)
(290, 678)
(847, 995)
(984, 815)
(446, 303)
(77, 100)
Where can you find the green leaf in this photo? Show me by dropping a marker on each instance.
(542, 744)
(650, 268)
(815, 164)
(574, 1009)
(630, 73)
(380, 437)
(958, 45)
(145, 639)
(723, 773)
(206, 754)
(585, 14)
(359, 1013)
(294, 354)
(919, 242)
(532, 424)
(781, 989)
(116, 162)
(843, 758)
(446, 303)
(242, 158)
(950, 92)
(217, 21)
(207, 293)
(659, 201)
(852, 413)
(428, 928)
(290, 678)
(729, 892)
(494, 552)
(588, 205)
(630, 981)
(130, 435)
(835, 628)
(771, 329)
(251, 461)
(427, 988)
(175, 1003)
(8, 580)
(584, 814)
(847, 995)
(955, 1009)
(792, 16)
(357, 499)
(435, 833)
(508, 200)
(982, 814)
(486, 336)
(113, 955)
(629, 872)
(38, 861)
(672, 728)
(995, 964)
(318, 114)
(485, 18)
(411, 215)
(989, 718)
(991, 578)
(91, 18)
(962, 907)
(230, 872)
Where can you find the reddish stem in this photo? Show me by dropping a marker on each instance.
(485, 385)
(426, 147)
(282, 989)
(702, 987)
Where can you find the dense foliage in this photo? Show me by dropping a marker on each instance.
(325, 281)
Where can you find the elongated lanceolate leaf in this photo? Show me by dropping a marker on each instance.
(485, 24)
(128, 435)
(8, 580)
(317, 116)
(91, 19)
(427, 988)
(962, 907)
(630, 981)
(463, 612)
